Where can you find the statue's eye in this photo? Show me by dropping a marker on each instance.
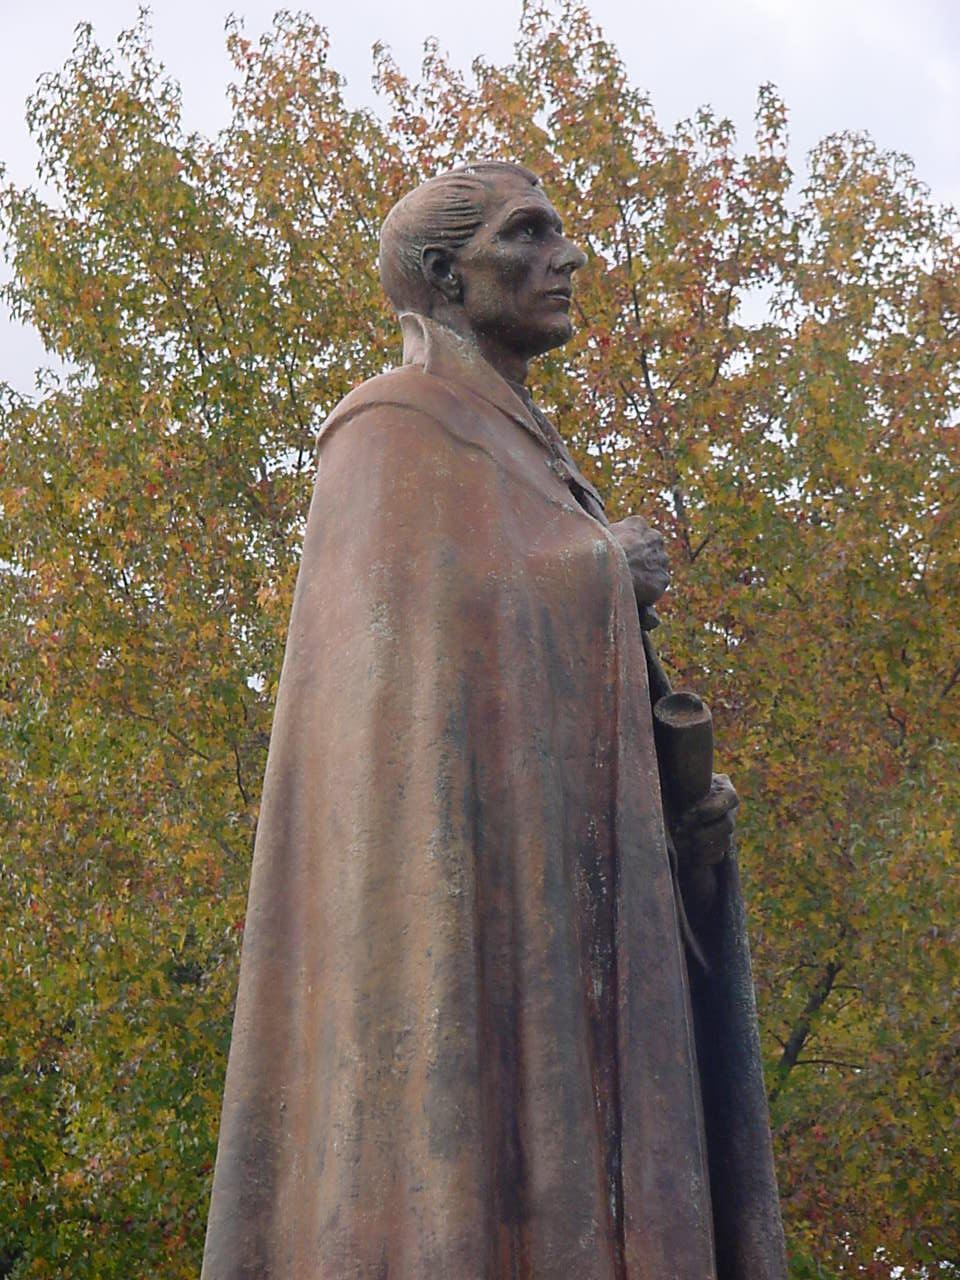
(527, 231)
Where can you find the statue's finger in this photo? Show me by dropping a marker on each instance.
(719, 802)
(713, 842)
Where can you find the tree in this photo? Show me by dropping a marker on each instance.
(213, 299)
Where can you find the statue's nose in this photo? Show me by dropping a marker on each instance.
(569, 257)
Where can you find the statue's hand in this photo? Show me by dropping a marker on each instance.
(703, 833)
(702, 837)
(646, 557)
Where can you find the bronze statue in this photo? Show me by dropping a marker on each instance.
(495, 1017)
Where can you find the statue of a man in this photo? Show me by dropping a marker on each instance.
(466, 1037)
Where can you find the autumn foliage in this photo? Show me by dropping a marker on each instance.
(766, 365)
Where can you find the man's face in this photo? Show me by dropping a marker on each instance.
(515, 272)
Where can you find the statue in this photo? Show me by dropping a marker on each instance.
(495, 1016)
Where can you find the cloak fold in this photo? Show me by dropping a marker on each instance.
(464, 1043)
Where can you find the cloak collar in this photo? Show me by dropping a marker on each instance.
(445, 354)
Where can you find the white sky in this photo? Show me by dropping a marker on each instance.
(891, 67)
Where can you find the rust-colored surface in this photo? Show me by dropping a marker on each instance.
(463, 1043)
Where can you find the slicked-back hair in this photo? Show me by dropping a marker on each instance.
(445, 211)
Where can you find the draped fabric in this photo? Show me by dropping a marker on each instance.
(464, 1044)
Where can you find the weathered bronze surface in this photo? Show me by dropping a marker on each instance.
(466, 1037)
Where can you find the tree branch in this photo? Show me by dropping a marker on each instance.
(952, 682)
(891, 714)
(829, 1062)
(243, 790)
(801, 1032)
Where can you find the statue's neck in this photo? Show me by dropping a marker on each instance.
(511, 366)
(509, 363)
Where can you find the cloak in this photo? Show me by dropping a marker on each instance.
(465, 1040)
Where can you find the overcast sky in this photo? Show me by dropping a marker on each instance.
(891, 67)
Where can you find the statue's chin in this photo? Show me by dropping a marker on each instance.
(546, 338)
(557, 336)
(528, 342)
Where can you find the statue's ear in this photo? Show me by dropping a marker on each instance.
(437, 265)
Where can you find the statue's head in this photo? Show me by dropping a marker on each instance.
(482, 250)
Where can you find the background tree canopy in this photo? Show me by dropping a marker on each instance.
(768, 369)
